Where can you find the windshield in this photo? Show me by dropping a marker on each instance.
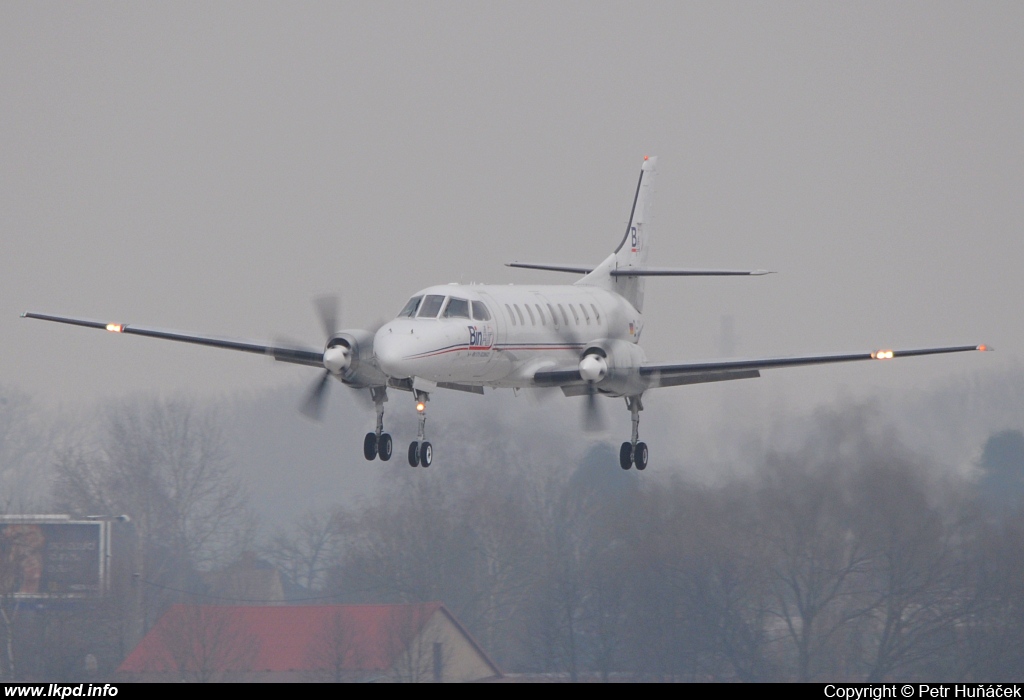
(480, 312)
(457, 308)
(431, 305)
(410, 309)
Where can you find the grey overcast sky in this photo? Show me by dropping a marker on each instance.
(213, 166)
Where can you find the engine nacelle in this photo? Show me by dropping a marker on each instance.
(613, 366)
(349, 355)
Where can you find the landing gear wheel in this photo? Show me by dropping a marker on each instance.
(640, 456)
(370, 446)
(384, 447)
(414, 454)
(626, 456)
(426, 454)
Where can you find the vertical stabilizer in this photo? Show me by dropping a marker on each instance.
(632, 251)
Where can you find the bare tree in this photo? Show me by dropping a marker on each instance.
(208, 643)
(307, 551)
(337, 651)
(163, 463)
(25, 444)
(417, 649)
(21, 564)
(916, 570)
(817, 559)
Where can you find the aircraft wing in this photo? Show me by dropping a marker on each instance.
(295, 355)
(653, 375)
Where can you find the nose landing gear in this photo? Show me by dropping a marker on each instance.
(421, 452)
(378, 443)
(634, 451)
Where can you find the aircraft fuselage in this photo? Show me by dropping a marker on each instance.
(520, 329)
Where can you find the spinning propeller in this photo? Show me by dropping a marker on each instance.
(337, 358)
(593, 368)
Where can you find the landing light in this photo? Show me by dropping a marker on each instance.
(984, 348)
(420, 407)
(115, 327)
(882, 355)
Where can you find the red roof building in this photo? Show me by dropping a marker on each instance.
(412, 643)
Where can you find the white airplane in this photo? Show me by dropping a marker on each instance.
(581, 338)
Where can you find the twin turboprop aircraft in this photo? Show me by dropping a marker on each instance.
(581, 338)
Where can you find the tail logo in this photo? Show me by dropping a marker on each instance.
(634, 239)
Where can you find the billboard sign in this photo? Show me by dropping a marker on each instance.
(53, 558)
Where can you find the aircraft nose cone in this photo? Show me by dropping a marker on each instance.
(387, 348)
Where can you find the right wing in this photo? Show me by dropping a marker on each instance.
(654, 375)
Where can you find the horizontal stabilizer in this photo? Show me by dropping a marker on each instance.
(641, 271)
(579, 269)
(683, 272)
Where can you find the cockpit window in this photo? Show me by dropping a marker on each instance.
(410, 309)
(457, 308)
(480, 312)
(431, 305)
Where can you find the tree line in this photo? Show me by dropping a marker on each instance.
(848, 559)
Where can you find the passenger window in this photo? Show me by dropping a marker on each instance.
(533, 321)
(480, 312)
(430, 306)
(519, 313)
(575, 315)
(554, 316)
(583, 308)
(511, 315)
(540, 312)
(564, 316)
(597, 314)
(457, 308)
(409, 310)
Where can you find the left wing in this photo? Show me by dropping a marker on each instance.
(295, 355)
(653, 375)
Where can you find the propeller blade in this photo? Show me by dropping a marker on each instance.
(313, 406)
(327, 309)
(593, 416)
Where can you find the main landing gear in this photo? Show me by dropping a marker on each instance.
(378, 443)
(421, 453)
(634, 451)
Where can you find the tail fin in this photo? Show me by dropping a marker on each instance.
(632, 251)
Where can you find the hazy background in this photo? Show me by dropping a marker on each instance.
(212, 167)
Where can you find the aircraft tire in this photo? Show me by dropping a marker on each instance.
(626, 455)
(426, 454)
(414, 454)
(370, 446)
(384, 447)
(640, 456)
